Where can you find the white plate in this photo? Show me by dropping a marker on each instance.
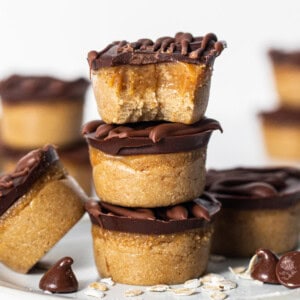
(78, 244)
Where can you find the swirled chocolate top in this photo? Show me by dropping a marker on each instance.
(183, 47)
(19, 88)
(28, 170)
(285, 57)
(160, 220)
(255, 188)
(149, 137)
(282, 115)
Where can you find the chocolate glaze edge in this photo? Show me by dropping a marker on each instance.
(148, 223)
(151, 138)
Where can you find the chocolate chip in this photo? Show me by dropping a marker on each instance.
(265, 268)
(60, 278)
(288, 269)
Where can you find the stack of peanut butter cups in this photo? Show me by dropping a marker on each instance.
(152, 224)
(281, 126)
(40, 110)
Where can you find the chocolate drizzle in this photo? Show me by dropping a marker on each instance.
(159, 220)
(18, 88)
(149, 137)
(285, 57)
(183, 47)
(282, 115)
(255, 188)
(60, 278)
(28, 170)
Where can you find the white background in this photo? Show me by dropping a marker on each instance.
(54, 37)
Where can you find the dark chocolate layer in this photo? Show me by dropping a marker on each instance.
(282, 116)
(28, 170)
(255, 188)
(149, 137)
(183, 47)
(285, 57)
(161, 220)
(37, 88)
(77, 152)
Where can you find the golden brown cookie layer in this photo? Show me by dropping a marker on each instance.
(148, 180)
(125, 256)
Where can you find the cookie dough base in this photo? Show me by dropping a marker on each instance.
(282, 141)
(33, 124)
(38, 220)
(287, 78)
(150, 180)
(241, 232)
(176, 92)
(138, 259)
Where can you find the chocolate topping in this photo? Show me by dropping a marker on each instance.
(28, 170)
(288, 269)
(149, 137)
(183, 47)
(285, 57)
(265, 268)
(37, 88)
(282, 115)
(159, 220)
(60, 278)
(255, 188)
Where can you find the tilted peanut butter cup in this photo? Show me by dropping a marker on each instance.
(39, 203)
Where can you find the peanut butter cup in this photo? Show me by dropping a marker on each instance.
(38, 190)
(39, 109)
(167, 79)
(148, 164)
(286, 66)
(141, 246)
(262, 206)
(281, 132)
